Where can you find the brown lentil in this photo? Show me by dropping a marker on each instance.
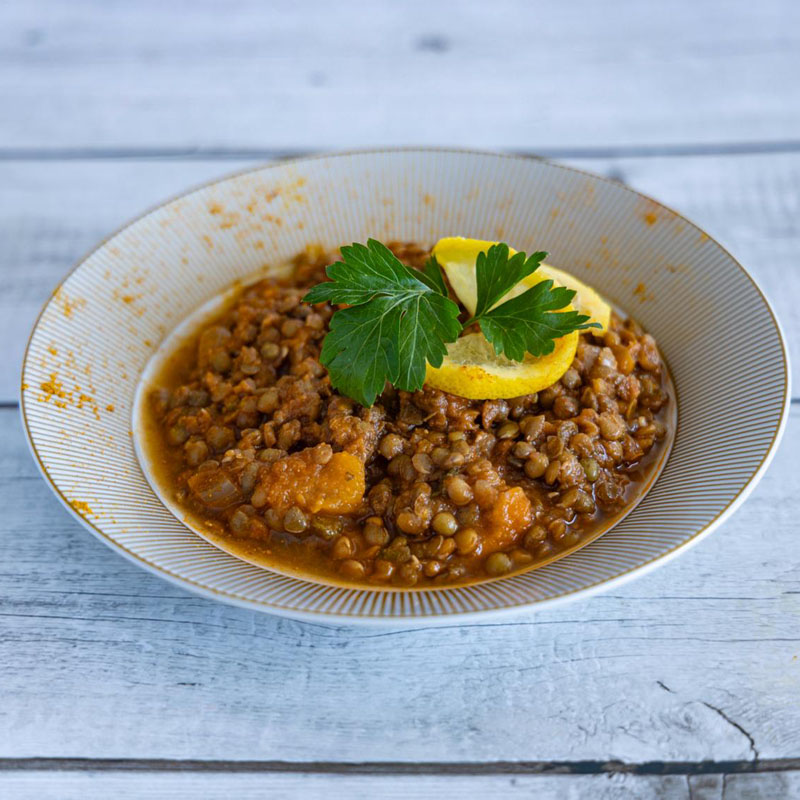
(445, 523)
(458, 490)
(343, 547)
(295, 521)
(448, 545)
(422, 463)
(409, 522)
(375, 534)
(534, 537)
(522, 449)
(466, 540)
(532, 427)
(591, 469)
(552, 472)
(508, 431)
(352, 569)
(536, 465)
(612, 427)
(498, 564)
(391, 445)
(432, 568)
(565, 406)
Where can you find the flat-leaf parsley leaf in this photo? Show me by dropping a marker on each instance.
(396, 323)
(431, 274)
(529, 322)
(496, 274)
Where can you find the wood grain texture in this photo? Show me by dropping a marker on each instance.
(518, 75)
(79, 786)
(51, 213)
(697, 661)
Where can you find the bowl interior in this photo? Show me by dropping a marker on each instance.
(103, 324)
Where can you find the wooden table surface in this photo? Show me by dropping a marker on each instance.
(683, 684)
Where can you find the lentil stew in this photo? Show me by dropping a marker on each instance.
(421, 490)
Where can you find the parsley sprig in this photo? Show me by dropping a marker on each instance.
(399, 319)
(395, 324)
(529, 322)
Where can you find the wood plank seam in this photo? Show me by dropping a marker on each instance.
(546, 151)
(403, 768)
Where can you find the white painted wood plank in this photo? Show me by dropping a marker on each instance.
(51, 213)
(512, 74)
(698, 661)
(216, 786)
(282, 786)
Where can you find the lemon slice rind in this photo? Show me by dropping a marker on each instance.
(472, 370)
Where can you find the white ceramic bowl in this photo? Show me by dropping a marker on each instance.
(102, 325)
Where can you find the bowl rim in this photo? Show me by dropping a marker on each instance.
(455, 617)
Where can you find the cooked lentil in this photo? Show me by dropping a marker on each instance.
(423, 489)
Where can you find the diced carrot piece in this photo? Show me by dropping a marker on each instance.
(333, 488)
(508, 519)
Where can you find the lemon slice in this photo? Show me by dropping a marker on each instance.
(457, 257)
(471, 369)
